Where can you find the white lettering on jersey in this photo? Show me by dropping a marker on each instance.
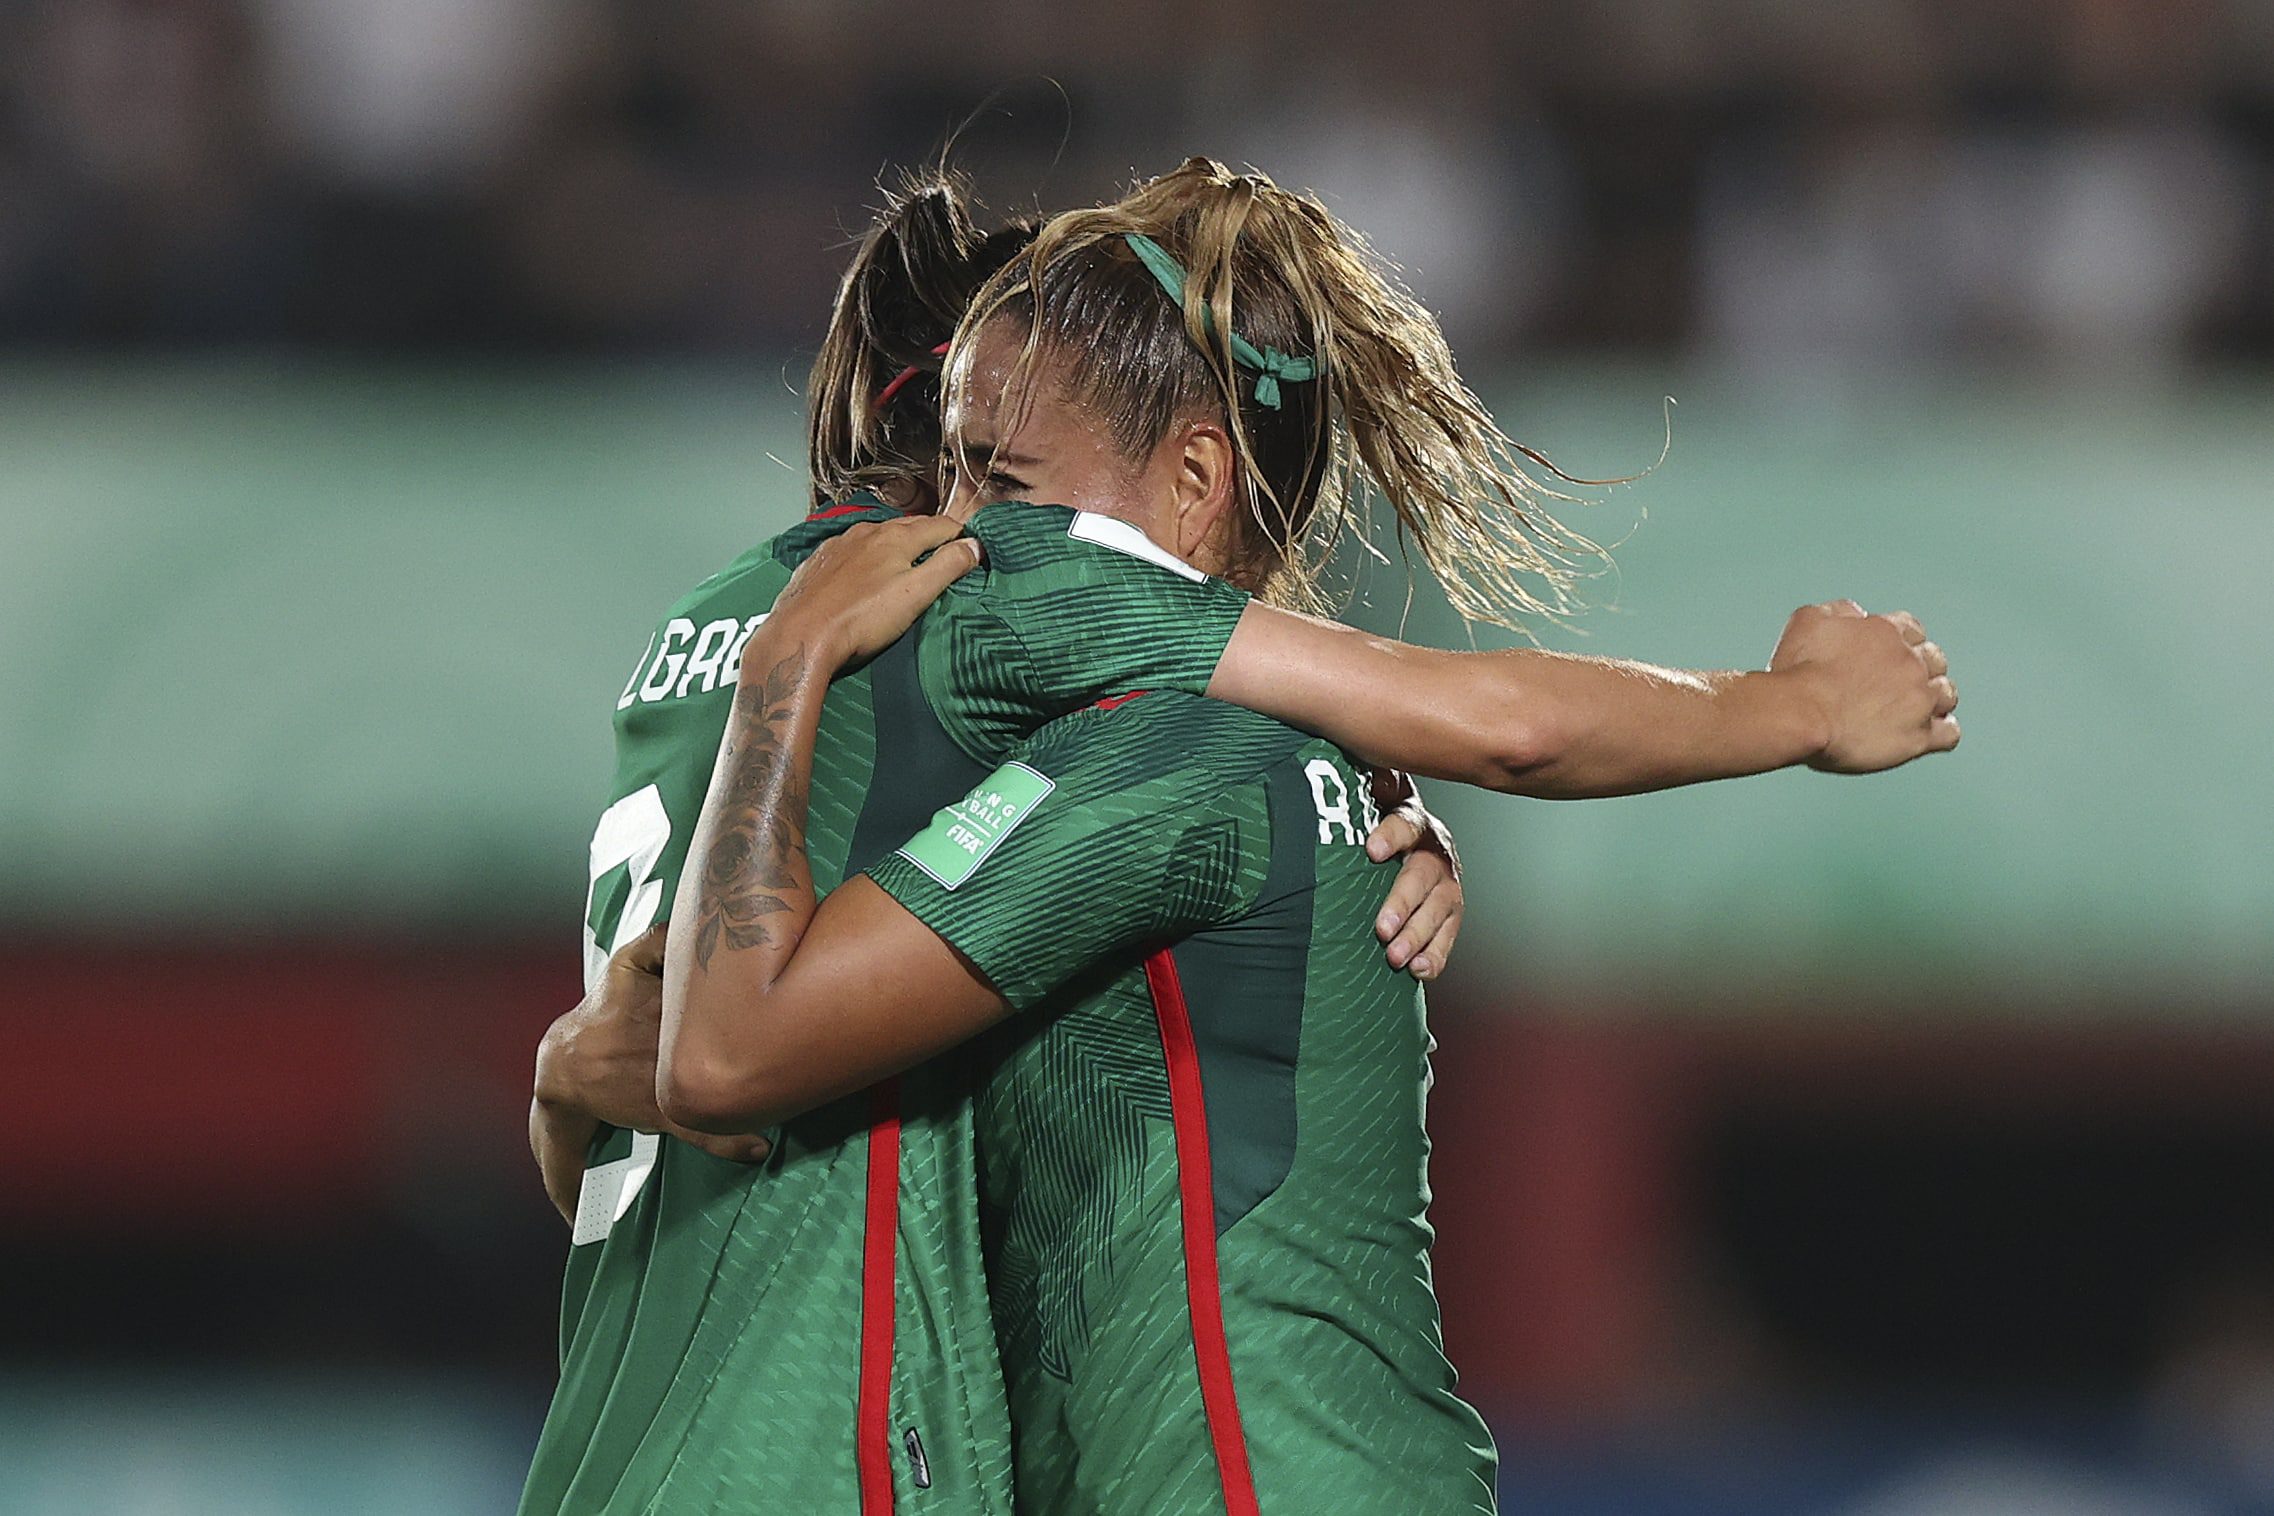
(632, 833)
(1110, 531)
(1335, 812)
(677, 632)
(688, 662)
(731, 667)
(709, 654)
(632, 685)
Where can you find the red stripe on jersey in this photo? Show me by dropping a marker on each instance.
(1196, 1200)
(872, 1418)
(846, 509)
(1115, 702)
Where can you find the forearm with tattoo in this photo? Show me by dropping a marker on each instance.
(752, 831)
(746, 895)
(752, 1016)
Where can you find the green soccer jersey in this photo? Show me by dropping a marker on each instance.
(793, 1337)
(1202, 1152)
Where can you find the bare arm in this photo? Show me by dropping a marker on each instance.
(770, 1004)
(773, 1004)
(596, 1066)
(1845, 691)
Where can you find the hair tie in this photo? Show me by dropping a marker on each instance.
(1268, 364)
(900, 380)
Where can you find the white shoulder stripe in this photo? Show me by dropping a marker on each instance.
(1108, 531)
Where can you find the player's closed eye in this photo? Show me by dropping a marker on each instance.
(994, 480)
(994, 483)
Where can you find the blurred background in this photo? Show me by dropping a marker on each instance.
(372, 375)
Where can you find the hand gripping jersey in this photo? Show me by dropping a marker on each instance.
(810, 1336)
(1201, 1146)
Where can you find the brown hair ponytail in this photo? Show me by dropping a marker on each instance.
(910, 281)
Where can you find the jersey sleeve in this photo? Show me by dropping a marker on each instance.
(1070, 606)
(793, 546)
(1105, 832)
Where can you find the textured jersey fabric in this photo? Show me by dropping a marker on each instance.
(1201, 1144)
(713, 1335)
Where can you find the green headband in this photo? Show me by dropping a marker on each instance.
(1267, 363)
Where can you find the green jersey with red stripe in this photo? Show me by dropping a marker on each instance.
(1202, 1152)
(792, 1337)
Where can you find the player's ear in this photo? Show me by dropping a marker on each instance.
(1207, 486)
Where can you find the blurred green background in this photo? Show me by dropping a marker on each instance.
(373, 375)
(324, 647)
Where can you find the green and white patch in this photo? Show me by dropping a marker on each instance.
(961, 836)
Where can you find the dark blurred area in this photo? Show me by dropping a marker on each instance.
(371, 374)
(2082, 181)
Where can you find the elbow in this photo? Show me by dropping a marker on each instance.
(705, 1094)
(1521, 745)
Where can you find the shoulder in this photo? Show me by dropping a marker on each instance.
(1018, 535)
(752, 566)
(770, 561)
(797, 544)
(1022, 538)
(1163, 732)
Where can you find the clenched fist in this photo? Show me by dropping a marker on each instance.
(1884, 689)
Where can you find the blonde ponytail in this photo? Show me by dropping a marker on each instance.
(1385, 415)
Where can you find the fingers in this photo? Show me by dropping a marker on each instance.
(1942, 734)
(860, 591)
(735, 1149)
(1398, 832)
(919, 534)
(644, 953)
(1422, 916)
(1431, 960)
(1841, 608)
(953, 560)
(952, 554)
(1932, 658)
(1392, 789)
(1422, 943)
(1417, 876)
(892, 543)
